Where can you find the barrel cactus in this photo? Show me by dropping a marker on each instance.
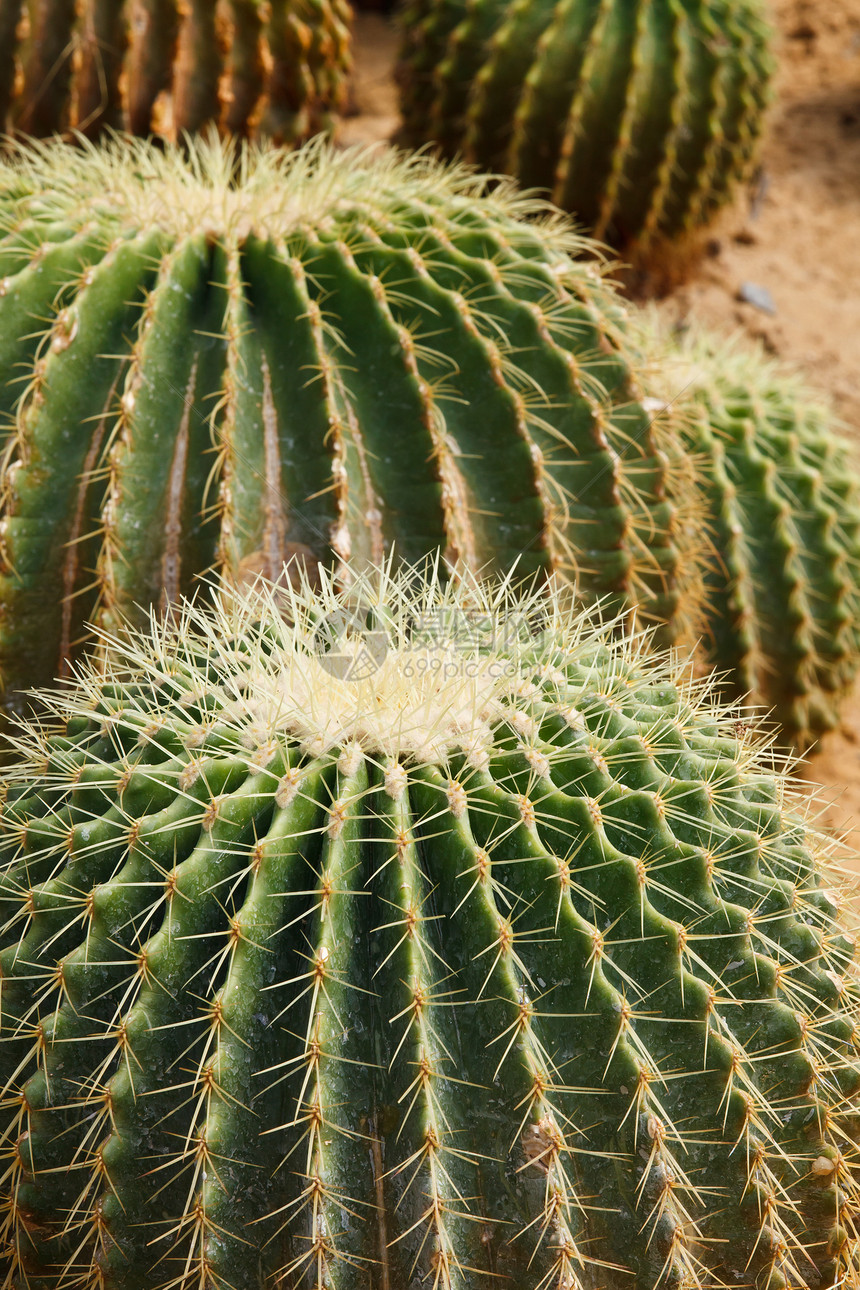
(638, 117)
(220, 359)
(144, 65)
(781, 506)
(401, 938)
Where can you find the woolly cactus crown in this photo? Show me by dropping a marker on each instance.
(402, 938)
(213, 186)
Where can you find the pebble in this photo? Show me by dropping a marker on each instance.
(753, 294)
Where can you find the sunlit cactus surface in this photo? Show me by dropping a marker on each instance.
(398, 939)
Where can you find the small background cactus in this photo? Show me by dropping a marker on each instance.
(781, 507)
(505, 958)
(222, 360)
(277, 66)
(637, 117)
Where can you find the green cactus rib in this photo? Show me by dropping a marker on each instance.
(639, 116)
(504, 961)
(221, 360)
(782, 507)
(313, 36)
(155, 66)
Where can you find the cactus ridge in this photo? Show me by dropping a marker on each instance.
(507, 958)
(228, 358)
(639, 118)
(782, 506)
(157, 65)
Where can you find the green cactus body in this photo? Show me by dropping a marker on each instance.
(638, 117)
(782, 508)
(157, 66)
(502, 961)
(333, 357)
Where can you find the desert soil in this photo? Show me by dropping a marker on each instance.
(792, 241)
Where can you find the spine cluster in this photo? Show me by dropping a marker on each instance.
(277, 67)
(637, 117)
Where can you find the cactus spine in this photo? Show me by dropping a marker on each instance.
(638, 117)
(505, 959)
(781, 505)
(157, 65)
(242, 358)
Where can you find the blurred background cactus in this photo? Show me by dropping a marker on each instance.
(277, 67)
(505, 958)
(639, 118)
(781, 511)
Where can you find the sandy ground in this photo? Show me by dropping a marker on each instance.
(794, 233)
